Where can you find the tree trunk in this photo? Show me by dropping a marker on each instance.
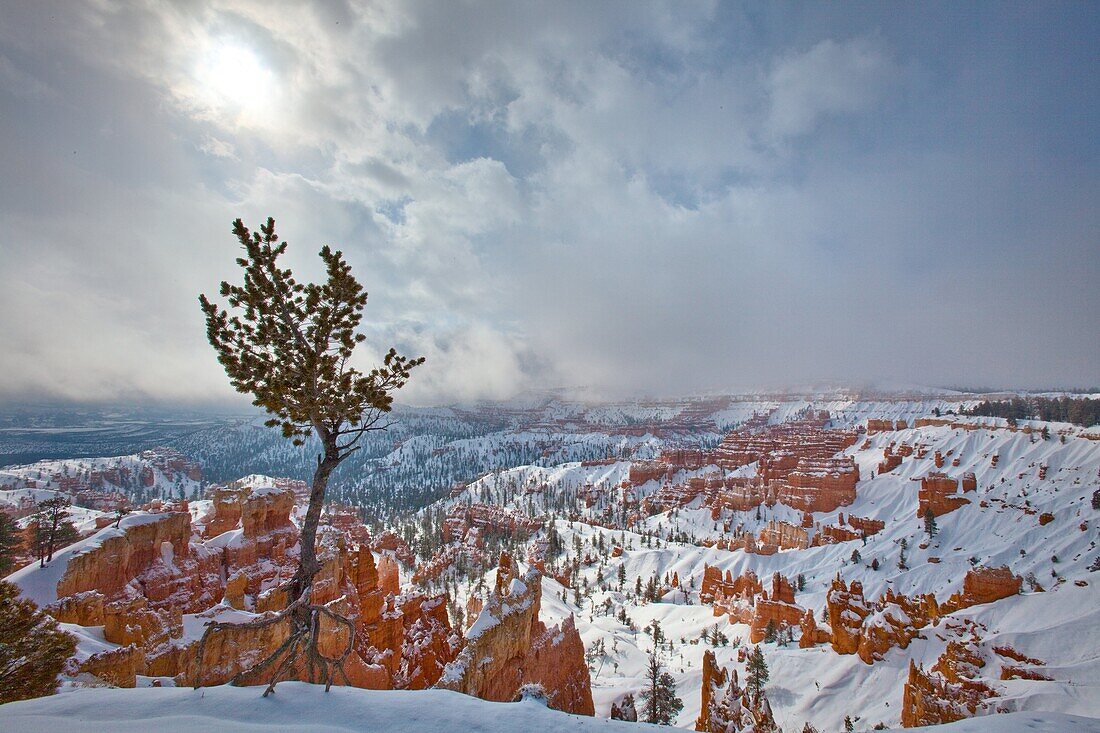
(308, 565)
(52, 540)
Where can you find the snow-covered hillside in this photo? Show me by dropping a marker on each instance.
(159, 473)
(999, 526)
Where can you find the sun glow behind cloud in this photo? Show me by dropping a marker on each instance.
(232, 81)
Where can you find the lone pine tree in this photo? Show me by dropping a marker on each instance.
(52, 528)
(756, 672)
(930, 522)
(659, 701)
(289, 345)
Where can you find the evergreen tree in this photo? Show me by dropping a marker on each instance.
(930, 522)
(659, 701)
(625, 710)
(290, 346)
(52, 529)
(120, 512)
(849, 726)
(10, 543)
(756, 672)
(33, 648)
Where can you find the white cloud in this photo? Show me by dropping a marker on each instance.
(218, 148)
(624, 199)
(830, 78)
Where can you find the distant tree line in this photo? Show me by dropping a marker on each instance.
(1083, 411)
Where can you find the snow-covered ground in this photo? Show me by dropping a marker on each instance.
(300, 708)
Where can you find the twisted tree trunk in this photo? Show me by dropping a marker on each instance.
(308, 565)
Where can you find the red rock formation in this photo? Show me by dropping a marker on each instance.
(391, 543)
(85, 609)
(949, 691)
(507, 646)
(938, 492)
(715, 585)
(811, 634)
(117, 667)
(879, 426)
(641, 472)
(984, 585)
(781, 536)
(121, 555)
(778, 614)
(266, 510)
(820, 484)
(782, 589)
(847, 610)
(925, 700)
(738, 493)
(858, 528)
(883, 630)
(866, 527)
(226, 512)
(389, 576)
(429, 642)
(715, 679)
(732, 710)
(137, 582)
(832, 535)
(890, 460)
(672, 496)
(462, 518)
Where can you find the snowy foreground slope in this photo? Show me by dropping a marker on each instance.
(298, 708)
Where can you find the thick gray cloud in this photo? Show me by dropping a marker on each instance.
(621, 196)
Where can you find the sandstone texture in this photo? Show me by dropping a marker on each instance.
(507, 646)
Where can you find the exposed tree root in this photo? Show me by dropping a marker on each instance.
(304, 640)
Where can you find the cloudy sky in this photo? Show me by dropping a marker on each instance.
(631, 197)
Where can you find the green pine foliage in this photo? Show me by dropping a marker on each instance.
(290, 344)
(756, 672)
(10, 543)
(660, 704)
(33, 648)
(1077, 410)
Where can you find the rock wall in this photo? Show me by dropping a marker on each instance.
(507, 646)
(123, 554)
(984, 585)
(939, 492)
